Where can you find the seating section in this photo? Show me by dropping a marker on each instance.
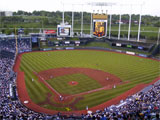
(143, 105)
(24, 45)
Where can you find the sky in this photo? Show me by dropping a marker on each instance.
(149, 7)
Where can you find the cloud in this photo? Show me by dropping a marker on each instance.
(149, 6)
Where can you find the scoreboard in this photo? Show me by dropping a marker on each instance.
(99, 24)
(64, 30)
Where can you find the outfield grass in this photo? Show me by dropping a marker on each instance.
(128, 68)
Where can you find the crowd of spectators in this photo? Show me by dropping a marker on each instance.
(145, 105)
(8, 46)
(24, 44)
(10, 106)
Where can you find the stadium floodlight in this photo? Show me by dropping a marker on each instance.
(97, 11)
(102, 11)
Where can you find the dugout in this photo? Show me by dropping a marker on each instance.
(12, 91)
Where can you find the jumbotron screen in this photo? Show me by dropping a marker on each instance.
(64, 31)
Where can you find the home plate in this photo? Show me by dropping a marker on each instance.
(26, 101)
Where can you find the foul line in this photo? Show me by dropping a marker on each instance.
(91, 91)
(47, 84)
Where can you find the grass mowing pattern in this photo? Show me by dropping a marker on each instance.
(128, 68)
(85, 83)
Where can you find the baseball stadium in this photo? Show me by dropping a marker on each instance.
(81, 70)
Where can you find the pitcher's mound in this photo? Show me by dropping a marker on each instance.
(73, 83)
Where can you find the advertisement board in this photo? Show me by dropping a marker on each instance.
(67, 42)
(118, 51)
(49, 31)
(130, 53)
(142, 55)
(118, 44)
(77, 42)
(129, 46)
(140, 48)
(69, 48)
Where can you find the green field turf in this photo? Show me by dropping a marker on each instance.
(128, 68)
(85, 83)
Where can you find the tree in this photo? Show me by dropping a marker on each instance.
(157, 24)
(45, 21)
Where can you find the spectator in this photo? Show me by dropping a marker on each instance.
(143, 105)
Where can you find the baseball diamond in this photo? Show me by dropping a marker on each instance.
(101, 78)
(79, 60)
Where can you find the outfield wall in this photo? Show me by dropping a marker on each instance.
(95, 48)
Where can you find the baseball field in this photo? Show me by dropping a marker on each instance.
(72, 80)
